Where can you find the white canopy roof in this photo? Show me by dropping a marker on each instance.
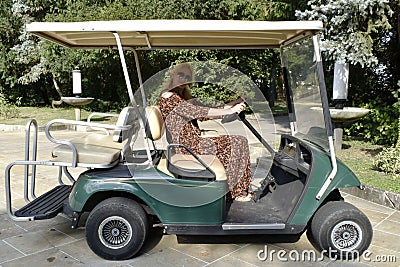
(169, 34)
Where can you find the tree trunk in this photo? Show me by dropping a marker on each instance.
(272, 84)
(55, 102)
(398, 106)
(398, 137)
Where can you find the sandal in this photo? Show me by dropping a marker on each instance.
(245, 198)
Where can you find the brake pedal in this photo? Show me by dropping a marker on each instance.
(269, 182)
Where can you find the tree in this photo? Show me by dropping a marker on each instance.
(364, 33)
(9, 32)
(350, 27)
(15, 15)
(49, 64)
(389, 159)
(373, 87)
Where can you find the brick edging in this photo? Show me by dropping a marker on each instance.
(379, 196)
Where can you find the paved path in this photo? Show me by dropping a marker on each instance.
(53, 243)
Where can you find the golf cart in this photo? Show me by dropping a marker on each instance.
(131, 183)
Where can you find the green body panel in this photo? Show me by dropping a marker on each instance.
(172, 200)
(321, 169)
(180, 201)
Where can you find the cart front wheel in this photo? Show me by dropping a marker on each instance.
(340, 230)
(116, 228)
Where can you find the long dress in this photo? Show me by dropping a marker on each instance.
(180, 118)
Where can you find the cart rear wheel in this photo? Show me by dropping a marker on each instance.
(116, 228)
(340, 230)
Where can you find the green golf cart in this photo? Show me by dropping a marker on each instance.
(134, 179)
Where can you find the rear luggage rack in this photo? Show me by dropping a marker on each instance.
(50, 204)
(47, 205)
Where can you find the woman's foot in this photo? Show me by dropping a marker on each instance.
(245, 198)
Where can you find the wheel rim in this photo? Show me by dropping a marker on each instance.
(115, 232)
(346, 235)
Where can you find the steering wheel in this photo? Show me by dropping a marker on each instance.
(232, 117)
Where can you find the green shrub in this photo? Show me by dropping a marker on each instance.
(7, 109)
(388, 161)
(380, 126)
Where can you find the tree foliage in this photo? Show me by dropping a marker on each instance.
(350, 27)
(389, 159)
(366, 34)
(10, 30)
(30, 67)
(41, 64)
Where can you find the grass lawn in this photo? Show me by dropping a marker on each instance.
(359, 156)
(280, 107)
(356, 154)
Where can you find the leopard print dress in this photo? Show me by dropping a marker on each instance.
(180, 118)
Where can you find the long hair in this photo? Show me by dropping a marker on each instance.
(185, 93)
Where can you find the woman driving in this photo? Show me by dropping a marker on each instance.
(180, 112)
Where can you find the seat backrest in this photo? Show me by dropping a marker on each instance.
(127, 116)
(154, 123)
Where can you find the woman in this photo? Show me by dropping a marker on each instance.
(180, 113)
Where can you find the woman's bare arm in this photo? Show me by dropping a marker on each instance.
(218, 112)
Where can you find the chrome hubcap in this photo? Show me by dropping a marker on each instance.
(346, 236)
(115, 232)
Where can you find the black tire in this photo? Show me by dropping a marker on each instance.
(311, 239)
(340, 230)
(116, 228)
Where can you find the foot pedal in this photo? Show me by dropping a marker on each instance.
(47, 205)
(269, 182)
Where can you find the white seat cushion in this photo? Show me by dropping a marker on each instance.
(154, 122)
(189, 162)
(92, 149)
(96, 148)
(99, 139)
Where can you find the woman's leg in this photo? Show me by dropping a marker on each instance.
(241, 188)
(233, 152)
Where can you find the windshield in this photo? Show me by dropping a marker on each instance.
(300, 62)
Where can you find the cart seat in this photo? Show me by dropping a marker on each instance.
(97, 149)
(87, 154)
(188, 163)
(154, 123)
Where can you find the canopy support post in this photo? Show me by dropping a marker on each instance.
(130, 92)
(327, 118)
(139, 74)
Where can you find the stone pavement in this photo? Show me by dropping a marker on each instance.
(53, 243)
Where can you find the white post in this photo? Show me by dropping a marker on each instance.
(76, 82)
(77, 114)
(340, 81)
(340, 89)
(76, 90)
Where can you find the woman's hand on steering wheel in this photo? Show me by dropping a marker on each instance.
(238, 108)
(237, 112)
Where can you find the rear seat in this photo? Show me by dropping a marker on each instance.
(88, 152)
(97, 149)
